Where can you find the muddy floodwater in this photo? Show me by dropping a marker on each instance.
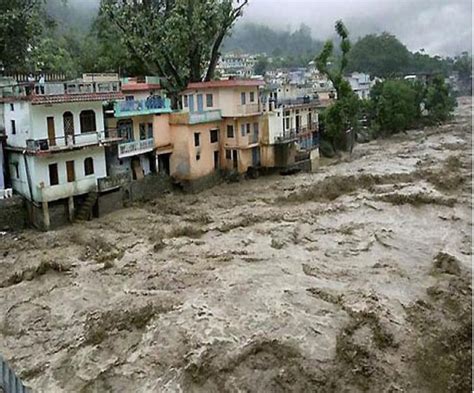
(352, 279)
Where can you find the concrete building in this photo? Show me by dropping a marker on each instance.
(236, 65)
(290, 124)
(55, 144)
(360, 84)
(135, 121)
(234, 104)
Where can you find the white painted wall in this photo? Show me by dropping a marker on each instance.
(38, 167)
(31, 120)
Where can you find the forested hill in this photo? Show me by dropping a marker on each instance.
(253, 38)
(73, 15)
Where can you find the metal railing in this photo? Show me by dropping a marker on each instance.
(297, 101)
(127, 149)
(71, 141)
(151, 105)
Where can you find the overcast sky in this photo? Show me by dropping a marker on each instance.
(440, 27)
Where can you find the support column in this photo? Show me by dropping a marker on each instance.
(70, 208)
(46, 215)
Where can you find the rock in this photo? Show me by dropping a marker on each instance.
(446, 263)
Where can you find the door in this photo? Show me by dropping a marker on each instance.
(68, 123)
(310, 118)
(200, 103)
(298, 121)
(235, 161)
(216, 160)
(256, 156)
(51, 131)
(191, 103)
(71, 174)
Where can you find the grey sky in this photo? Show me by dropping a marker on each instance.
(442, 27)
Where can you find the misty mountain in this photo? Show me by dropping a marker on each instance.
(75, 15)
(255, 38)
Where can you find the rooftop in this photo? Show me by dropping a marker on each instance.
(137, 86)
(228, 83)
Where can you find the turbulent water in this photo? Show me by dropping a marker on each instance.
(356, 278)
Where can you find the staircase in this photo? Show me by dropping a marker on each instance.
(85, 211)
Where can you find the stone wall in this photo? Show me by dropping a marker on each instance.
(12, 214)
(147, 188)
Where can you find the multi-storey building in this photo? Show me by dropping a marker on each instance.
(134, 120)
(290, 124)
(240, 110)
(55, 143)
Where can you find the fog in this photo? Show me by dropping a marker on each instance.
(440, 27)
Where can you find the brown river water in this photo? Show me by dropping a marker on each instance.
(356, 278)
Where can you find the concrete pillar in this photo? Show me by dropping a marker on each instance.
(70, 208)
(46, 215)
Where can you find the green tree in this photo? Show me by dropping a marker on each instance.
(343, 115)
(439, 102)
(261, 66)
(380, 55)
(177, 39)
(394, 106)
(20, 28)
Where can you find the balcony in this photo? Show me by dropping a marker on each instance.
(248, 109)
(113, 182)
(299, 101)
(205, 117)
(128, 149)
(46, 89)
(149, 106)
(69, 142)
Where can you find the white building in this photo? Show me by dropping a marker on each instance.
(55, 143)
(360, 84)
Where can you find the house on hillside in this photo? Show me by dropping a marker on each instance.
(56, 146)
(360, 84)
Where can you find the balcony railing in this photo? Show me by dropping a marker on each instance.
(75, 88)
(149, 106)
(253, 138)
(113, 182)
(71, 141)
(132, 148)
(63, 142)
(205, 117)
(248, 109)
(307, 100)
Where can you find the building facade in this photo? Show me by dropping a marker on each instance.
(55, 144)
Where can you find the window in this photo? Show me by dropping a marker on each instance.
(53, 174)
(13, 127)
(255, 128)
(248, 128)
(129, 98)
(68, 123)
(198, 157)
(242, 130)
(197, 139)
(185, 101)
(228, 155)
(125, 129)
(149, 133)
(17, 171)
(70, 172)
(230, 131)
(214, 136)
(243, 101)
(209, 100)
(287, 123)
(12, 107)
(142, 128)
(88, 166)
(88, 121)
(252, 96)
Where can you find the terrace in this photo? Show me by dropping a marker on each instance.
(150, 106)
